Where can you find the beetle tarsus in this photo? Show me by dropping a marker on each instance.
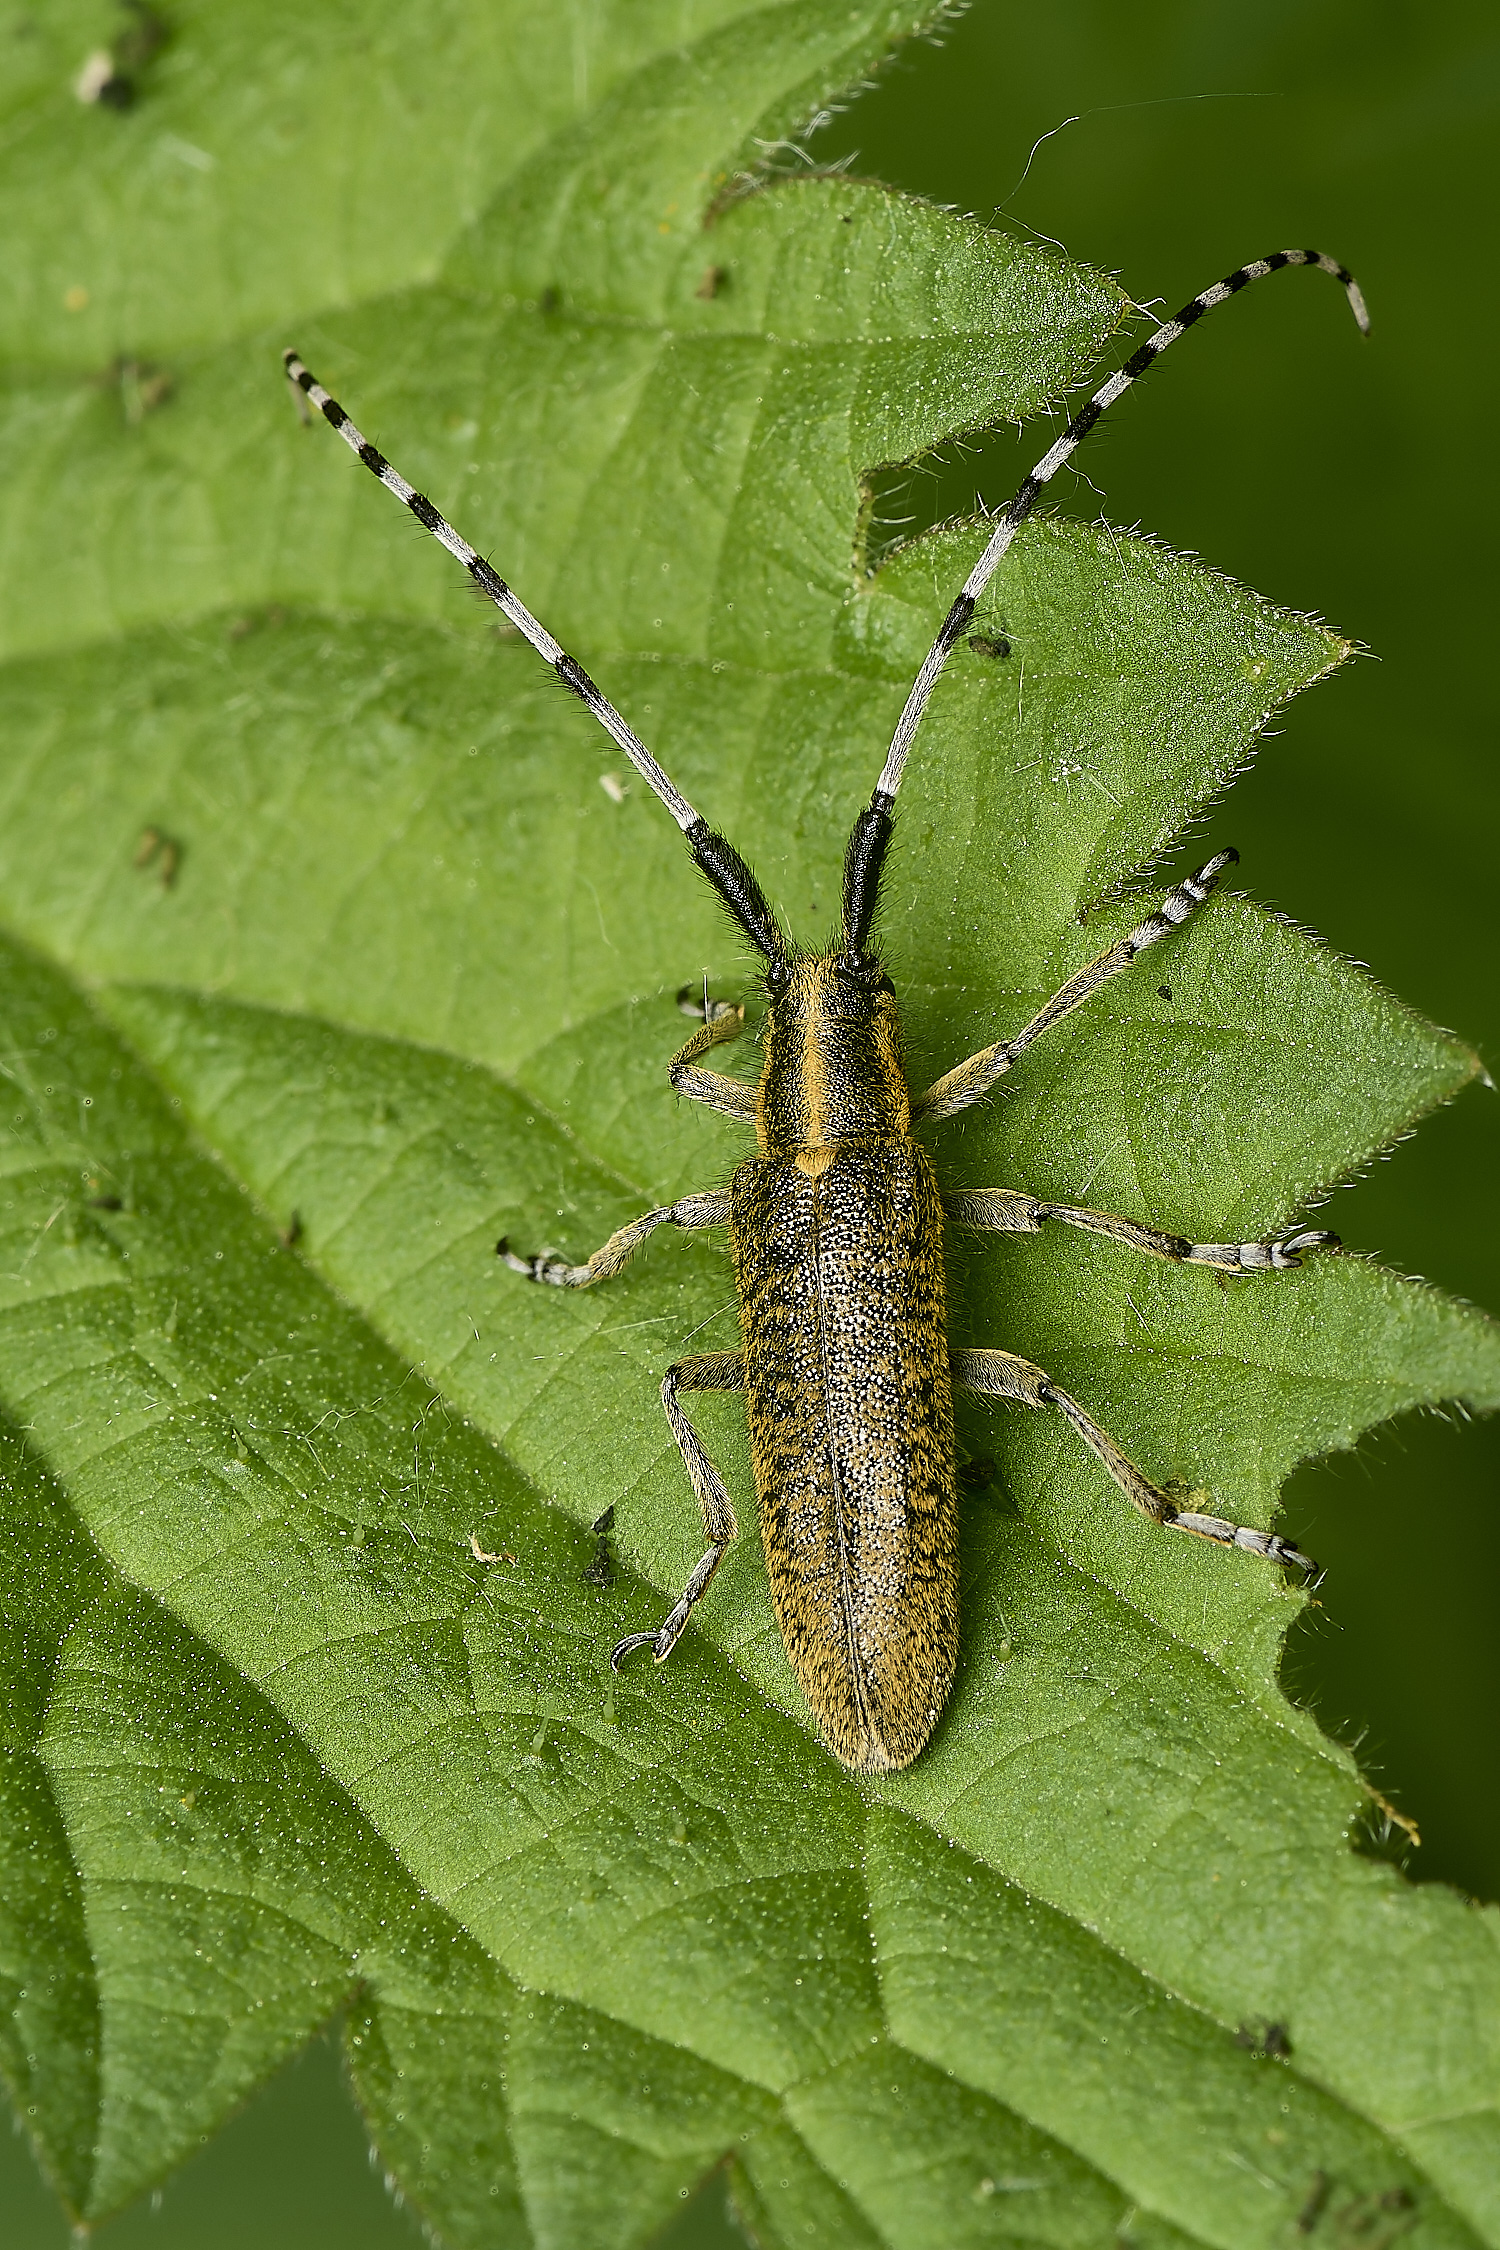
(1269, 1545)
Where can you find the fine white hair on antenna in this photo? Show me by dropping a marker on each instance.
(1031, 489)
(568, 670)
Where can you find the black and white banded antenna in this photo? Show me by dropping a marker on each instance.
(1030, 490)
(717, 858)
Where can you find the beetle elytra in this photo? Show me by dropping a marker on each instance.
(837, 1222)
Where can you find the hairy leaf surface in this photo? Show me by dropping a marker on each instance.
(327, 960)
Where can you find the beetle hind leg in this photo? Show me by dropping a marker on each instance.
(709, 1371)
(995, 1374)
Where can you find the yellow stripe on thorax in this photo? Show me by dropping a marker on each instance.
(817, 1151)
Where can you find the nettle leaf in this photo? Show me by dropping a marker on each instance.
(328, 960)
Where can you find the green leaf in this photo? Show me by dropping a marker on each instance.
(279, 1741)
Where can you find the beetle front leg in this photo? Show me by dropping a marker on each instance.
(1003, 1375)
(1007, 1211)
(710, 1210)
(722, 1020)
(709, 1371)
(970, 1081)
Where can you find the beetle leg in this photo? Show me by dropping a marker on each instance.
(970, 1081)
(1005, 1211)
(711, 1210)
(1003, 1375)
(709, 1371)
(723, 1019)
(696, 1001)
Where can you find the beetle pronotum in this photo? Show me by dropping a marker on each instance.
(836, 1224)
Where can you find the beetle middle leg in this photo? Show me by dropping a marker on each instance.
(1008, 1211)
(710, 1210)
(995, 1374)
(709, 1371)
(723, 1019)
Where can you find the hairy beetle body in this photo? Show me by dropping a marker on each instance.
(850, 1407)
(837, 1241)
(836, 1224)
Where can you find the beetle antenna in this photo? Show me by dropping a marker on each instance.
(1030, 492)
(717, 858)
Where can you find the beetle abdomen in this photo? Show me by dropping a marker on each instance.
(842, 1307)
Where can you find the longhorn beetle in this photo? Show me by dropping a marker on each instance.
(836, 1224)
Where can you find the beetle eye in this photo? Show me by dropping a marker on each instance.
(868, 975)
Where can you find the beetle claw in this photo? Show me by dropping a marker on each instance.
(622, 1649)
